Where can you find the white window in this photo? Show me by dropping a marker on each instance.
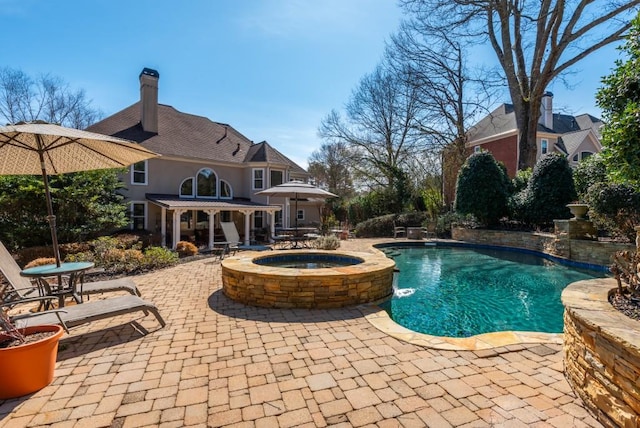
(258, 178)
(226, 192)
(584, 155)
(139, 173)
(138, 215)
(186, 188)
(544, 146)
(477, 149)
(277, 218)
(300, 215)
(206, 184)
(277, 177)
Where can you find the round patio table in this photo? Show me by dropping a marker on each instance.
(73, 272)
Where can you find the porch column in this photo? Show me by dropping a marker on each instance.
(212, 224)
(163, 227)
(272, 226)
(176, 227)
(247, 222)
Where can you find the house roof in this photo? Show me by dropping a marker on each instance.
(187, 135)
(572, 140)
(264, 152)
(176, 202)
(502, 120)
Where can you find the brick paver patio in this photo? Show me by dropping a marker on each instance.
(219, 363)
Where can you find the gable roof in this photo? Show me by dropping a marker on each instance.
(189, 136)
(503, 120)
(264, 152)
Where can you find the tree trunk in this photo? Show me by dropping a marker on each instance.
(527, 118)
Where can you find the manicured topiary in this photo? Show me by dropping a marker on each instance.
(549, 190)
(482, 189)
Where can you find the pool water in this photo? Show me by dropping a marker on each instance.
(307, 260)
(462, 292)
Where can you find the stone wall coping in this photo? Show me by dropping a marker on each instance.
(588, 300)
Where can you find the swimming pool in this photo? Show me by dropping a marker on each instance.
(462, 292)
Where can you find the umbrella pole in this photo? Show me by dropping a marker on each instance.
(50, 216)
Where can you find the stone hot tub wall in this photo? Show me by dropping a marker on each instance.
(274, 287)
(602, 353)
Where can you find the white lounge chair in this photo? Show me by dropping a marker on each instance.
(232, 237)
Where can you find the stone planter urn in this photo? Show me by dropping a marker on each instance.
(578, 210)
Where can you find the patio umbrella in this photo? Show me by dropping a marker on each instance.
(297, 189)
(34, 148)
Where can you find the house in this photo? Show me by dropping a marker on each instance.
(208, 172)
(576, 137)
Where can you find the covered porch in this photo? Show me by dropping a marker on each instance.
(196, 219)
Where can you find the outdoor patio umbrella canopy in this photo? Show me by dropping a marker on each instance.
(297, 189)
(36, 148)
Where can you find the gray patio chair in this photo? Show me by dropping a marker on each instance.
(72, 316)
(21, 287)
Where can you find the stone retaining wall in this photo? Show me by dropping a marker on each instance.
(602, 353)
(273, 287)
(583, 251)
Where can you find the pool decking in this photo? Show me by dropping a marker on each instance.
(220, 363)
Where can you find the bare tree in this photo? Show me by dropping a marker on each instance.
(451, 96)
(46, 98)
(330, 168)
(379, 128)
(535, 42)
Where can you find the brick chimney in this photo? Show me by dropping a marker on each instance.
(546, 110)
(149, 100)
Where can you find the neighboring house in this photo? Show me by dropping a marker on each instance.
(576, 137)
(208, 172)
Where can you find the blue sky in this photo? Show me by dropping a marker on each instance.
(270, 68)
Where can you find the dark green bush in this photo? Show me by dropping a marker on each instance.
(549, 190)
(589, 171)
(482, 189)
(521, 180)
(615, 208)
(383, 226)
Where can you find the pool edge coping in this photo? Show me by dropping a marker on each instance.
(380, 319)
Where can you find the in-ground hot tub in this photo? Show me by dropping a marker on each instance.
(307, 279)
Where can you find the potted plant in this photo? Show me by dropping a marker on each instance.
(27, 356)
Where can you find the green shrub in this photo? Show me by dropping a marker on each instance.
(446, 221)
(589, 171)
(158, 257)
(382, 226)
(549, 190)
(615, 208)
(327, 242)
(482, 189)
(521, 180)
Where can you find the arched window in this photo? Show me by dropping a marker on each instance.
(226, 192)
(207, 184)
(186, 188)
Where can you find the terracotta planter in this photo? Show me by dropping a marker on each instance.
(28, 368)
